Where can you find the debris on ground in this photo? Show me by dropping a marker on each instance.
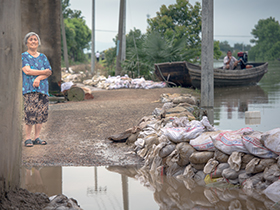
(175, 143)
(109, 83)
(25, 200)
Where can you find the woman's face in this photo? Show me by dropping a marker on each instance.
(32, 42)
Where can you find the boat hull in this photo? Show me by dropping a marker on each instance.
(174, 73)
(224, 78)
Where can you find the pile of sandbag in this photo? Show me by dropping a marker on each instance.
(173, 142)
(117, 82)
(181, 147)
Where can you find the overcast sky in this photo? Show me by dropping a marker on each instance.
(233, 19)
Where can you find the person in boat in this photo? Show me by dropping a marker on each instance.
(230, 62)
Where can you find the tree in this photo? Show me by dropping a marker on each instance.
(143, 51)
(179, 21)
(217, 51)
(224, 46)
(241, 47)
(266, 39)
(78, 35)
(69, 13)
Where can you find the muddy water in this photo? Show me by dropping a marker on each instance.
(124, 188)
(231, 103)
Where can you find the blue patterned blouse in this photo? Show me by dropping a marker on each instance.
(39, 63)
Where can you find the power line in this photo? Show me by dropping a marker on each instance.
(233, 36)
(112, 31)
(106, 30)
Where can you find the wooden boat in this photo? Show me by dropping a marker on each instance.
(174, 73)
(223, 77)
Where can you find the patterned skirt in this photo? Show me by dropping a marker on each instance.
(36, 107)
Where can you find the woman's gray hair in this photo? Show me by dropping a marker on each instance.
(29, 35)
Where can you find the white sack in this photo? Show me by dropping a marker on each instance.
(204, 141)
(271, 140)
(273, 191)
(230, 141)
(253, 144)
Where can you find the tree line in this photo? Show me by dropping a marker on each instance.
(172, 35)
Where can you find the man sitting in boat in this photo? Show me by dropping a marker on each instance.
(230, 62)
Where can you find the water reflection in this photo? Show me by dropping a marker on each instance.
(231, 103)
(42, 179)
(130, 187)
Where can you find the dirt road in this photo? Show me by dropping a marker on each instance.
(76, 131)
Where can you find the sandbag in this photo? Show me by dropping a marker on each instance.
(198, 167)
(180, 122)
(185, 99)
(257, 165)
(167, 105)
(230, 141)
(204, 141)
(219, 170)
(246, 159)
(139, 143)
(142, 152)
(151, 139)
(199, 178)
(190, 131)
(185, 151)
(210, 166)
(229, 173)
(234, 160)
(252, 181)
(271, 173)
(271, 140)
(201, 157)
(133, 137)
(189, 172)
(253, 144)
(243, 177)
(166, 150)
(220, 156)
(182, 134)
(121, 137)
(273, 191)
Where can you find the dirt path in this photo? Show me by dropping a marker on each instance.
(76, 131)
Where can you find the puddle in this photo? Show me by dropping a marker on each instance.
(124, 188)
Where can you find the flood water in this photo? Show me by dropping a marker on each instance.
(124, 188)
(231, 103)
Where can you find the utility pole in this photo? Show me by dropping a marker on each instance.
(207, 74)
(11, 95)
(121, 43)
(65, 51)
(93, 38)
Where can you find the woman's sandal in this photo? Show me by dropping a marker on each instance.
(39, 141)
(28, 143)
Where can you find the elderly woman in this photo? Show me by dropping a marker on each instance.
(35, 71)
